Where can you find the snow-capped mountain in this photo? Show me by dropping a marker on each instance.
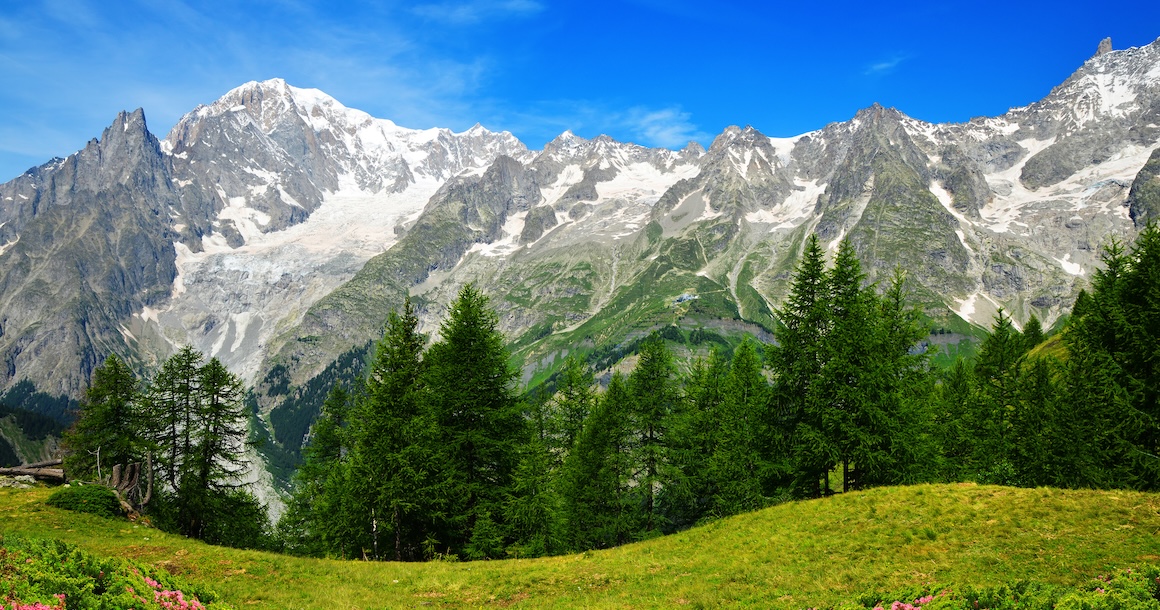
(275, 228)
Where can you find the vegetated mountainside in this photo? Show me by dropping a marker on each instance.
(815, 553)
(135, 246)
(275, 228)
(600, 242)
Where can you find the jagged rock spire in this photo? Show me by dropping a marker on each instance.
(1105, 46)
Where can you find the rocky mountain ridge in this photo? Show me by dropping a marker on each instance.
(275, 228)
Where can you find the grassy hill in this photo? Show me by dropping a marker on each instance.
(814, 553)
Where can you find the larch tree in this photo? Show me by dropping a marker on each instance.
(103, 434)
(470, 391)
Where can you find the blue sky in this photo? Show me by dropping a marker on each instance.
(655, 72)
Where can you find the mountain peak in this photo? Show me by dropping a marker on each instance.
(1105, 47)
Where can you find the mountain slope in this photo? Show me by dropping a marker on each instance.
(275, 228)
(998, 212)
(815, 553)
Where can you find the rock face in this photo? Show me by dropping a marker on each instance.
(88, 241)
(1105, 47)
(277, 228)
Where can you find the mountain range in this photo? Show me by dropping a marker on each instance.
(275, 228)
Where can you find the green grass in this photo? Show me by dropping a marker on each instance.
(815, 553)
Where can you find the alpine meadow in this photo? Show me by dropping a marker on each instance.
(295, 356)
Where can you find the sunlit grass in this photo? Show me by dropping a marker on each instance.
(800, 554)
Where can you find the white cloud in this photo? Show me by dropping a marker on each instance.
(468, 13)
(666, 128)
(884, 67)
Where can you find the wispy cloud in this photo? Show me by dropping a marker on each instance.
(666, 128)
(469, 13)
(884, 67)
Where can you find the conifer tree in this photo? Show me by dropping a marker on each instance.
(532, 505)
(309, 512)
(392, 443)
(1032, 333)
(693, 438)
(848, 394)
(105, 431)
(569, 407)
(170, 410)
(997, 373)
(217, 453)
(469, 389)
(655, 396)
(796, 360)
(738, 465)
(595, 504)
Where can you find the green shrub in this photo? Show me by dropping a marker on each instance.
(50, 574)
(93, 499)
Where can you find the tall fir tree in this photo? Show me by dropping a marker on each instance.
(998, 370)
(104, 434)
(568, 408)
(392, 443)
(217, 453)
(655, 397)
(596, 507)
(847, 394)
(310, 513)
(470, 391)
(738, 466)
(693, 437)
(170, 409)
(796, 360)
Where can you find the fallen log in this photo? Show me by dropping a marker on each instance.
(52, 475)
(56, 462)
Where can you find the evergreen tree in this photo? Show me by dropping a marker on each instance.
(1032, 333)
(569, 407)
(654, 391)
(693, 438)
(998, 377)
(595, 503)
(954, 438)
(309, 512)
(796, 360)
(217, 452)
(170, 409)
(392, 448)
(901, 422)
(105, 431)
(532, 506)
(469, 390)
(847, 394)
(738, 465)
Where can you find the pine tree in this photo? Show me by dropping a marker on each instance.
(392, 443)
(309, 512)
(847, 393)
(1032, 333)
(738, 465)
(954, 437)
(693, 437)
(796, 360)
(998, 377)
(170, 409)
(469, 390)
(655, 395)
(901, 420)
(217, 452)
(532, 506)
(595, 504)
(569, 407)
(105, 431)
